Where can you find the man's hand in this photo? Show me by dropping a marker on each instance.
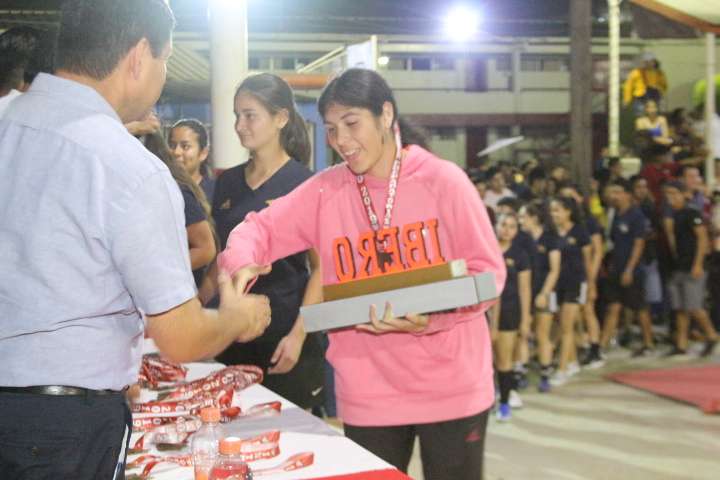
(697, 271)
(409, 324)
(146, 126)
(252, 312)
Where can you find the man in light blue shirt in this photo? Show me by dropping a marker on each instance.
(92, 236)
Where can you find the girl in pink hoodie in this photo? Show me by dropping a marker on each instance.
(391, 207)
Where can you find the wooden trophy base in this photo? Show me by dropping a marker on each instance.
(426, 290)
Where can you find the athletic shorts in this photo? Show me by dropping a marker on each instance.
(652, 282)
(632, 297)
(572, 293)
(509, 317)
(687, 293)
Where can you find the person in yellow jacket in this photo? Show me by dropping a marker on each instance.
(647, 82)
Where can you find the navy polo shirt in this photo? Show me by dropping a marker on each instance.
(686, 243)
(194, 213)
(516, 261)
(540, 258)
(626, 228)
(572, 263)
(285, 284)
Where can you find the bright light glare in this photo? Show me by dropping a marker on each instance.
(384, 60)
(462, 23)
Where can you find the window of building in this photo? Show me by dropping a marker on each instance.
(302, 61)
(503, 63)
(421, 63)
(286, 63)
(397, 63)
(544, 63)
(258, 63)
(444, 133)
(443, 63)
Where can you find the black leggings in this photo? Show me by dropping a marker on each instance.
(450, 450)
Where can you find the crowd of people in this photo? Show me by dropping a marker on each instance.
(643, 249)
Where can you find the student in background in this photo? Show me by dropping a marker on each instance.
(688, 279)
(202, 240)
(625, 286)
(650, 265)
(270, 127)
(497, 188)
(575, 273)
(24, 52)
(189, 143)
(510, 206)
(545, 263)
(597, 250)
(512, 315)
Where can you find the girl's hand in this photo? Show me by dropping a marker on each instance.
(411, 323)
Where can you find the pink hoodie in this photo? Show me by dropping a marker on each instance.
(442, 374)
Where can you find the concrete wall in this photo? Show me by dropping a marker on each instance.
(453, 150)
(684, 64)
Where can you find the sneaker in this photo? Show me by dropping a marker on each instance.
(586, 359)
(709, 348)
(520, 372)
(560, 378)
(573, 369)
(504, 413)
(643, 352)
(596, 361)
(515, 401)
(677, 354)
(544, 385)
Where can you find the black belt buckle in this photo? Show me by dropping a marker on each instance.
(59, 391)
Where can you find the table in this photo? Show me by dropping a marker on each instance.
(336, 457)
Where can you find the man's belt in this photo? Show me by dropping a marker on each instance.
(60, 391)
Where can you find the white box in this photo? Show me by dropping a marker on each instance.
(427, 298)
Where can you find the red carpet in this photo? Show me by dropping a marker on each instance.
(697, 385)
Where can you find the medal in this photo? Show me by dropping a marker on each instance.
(384, 257)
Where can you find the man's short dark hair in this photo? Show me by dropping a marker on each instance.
(676, 184)
(491, 172)
(24, 52)
(96, 34)
(511, 202)
(681, 171)
(537, 173)
(622, 183)
(636, 178)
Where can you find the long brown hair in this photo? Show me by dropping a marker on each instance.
(156, 144)
(275, 94)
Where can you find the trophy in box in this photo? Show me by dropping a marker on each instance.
(423, 290)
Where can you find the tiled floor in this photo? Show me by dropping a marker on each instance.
(594, 429)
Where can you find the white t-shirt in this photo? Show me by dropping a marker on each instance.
(699, 128)
(5, 101)
(491, 198)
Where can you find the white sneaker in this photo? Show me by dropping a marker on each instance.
(573, 369)
(596, 362)
(559, 378)
(515, 401)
